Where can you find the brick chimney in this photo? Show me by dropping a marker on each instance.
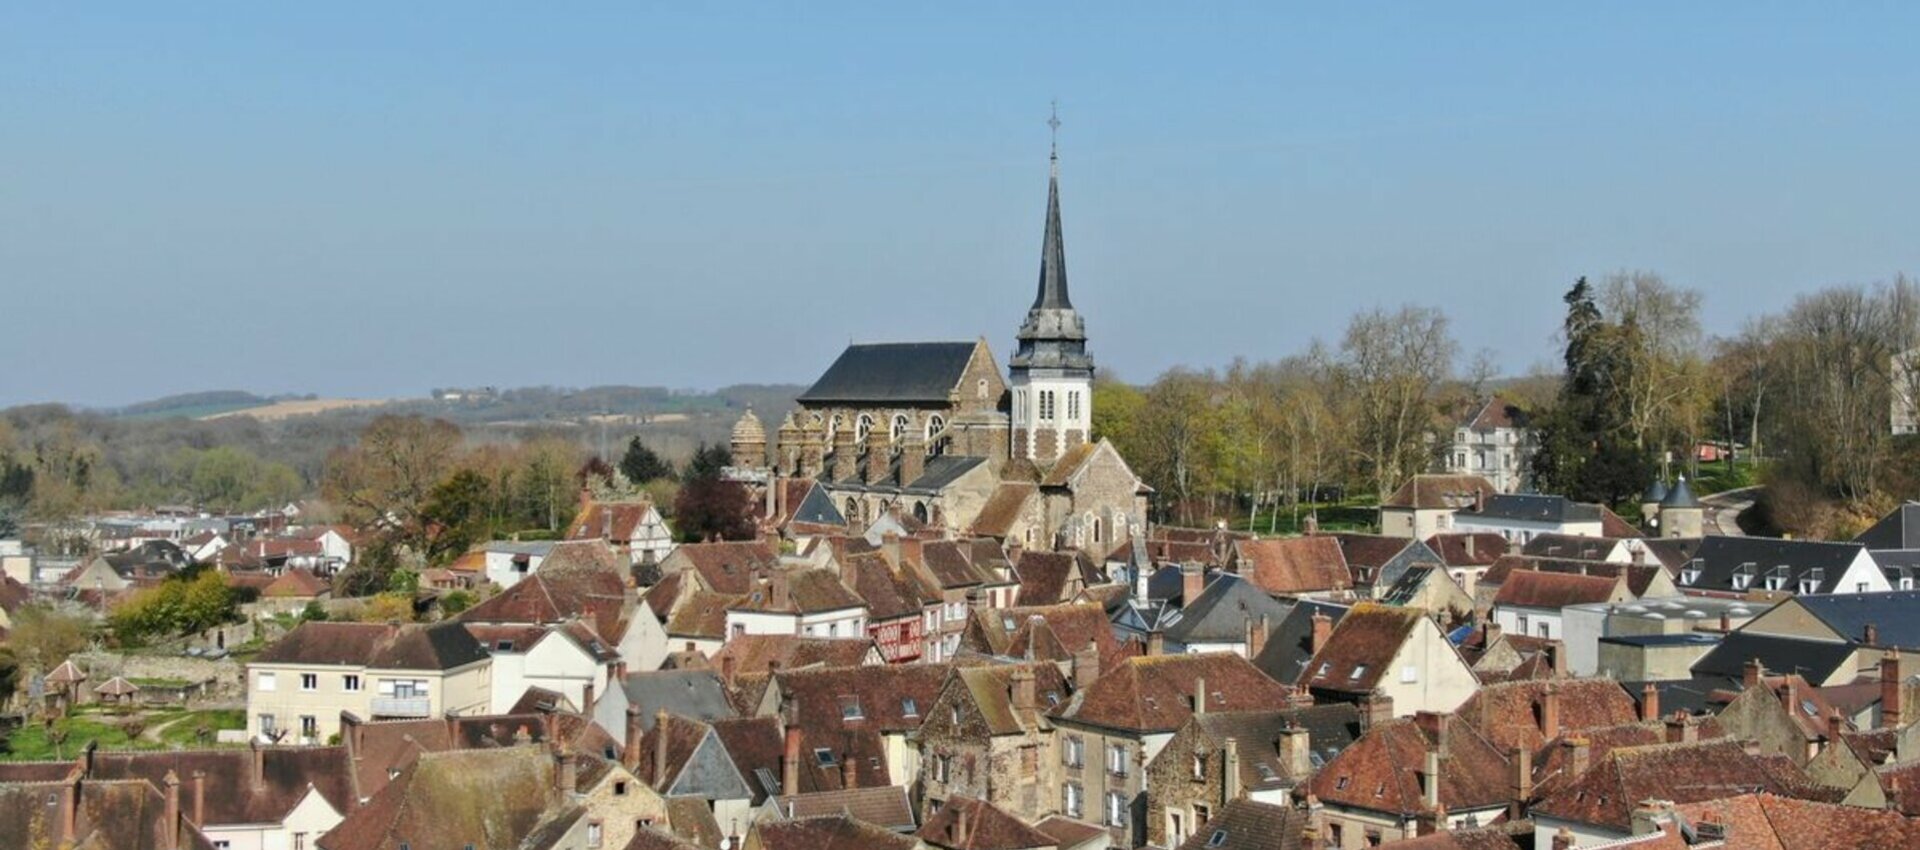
(1892, 712)
(1193, 580)
(586, 698)
(790, 762)
(1835, 725)
(1579, 755)
(777, 596)
(569, 774)
(1295, 746)
(1557, 658)
(1375, 708)
(1230, 770)
(1435, 724)
(1750, 675)
(1257, 631)
(1430, 820)
(170, 834)
(849, 771)
(1156, 642)
(1550, 713)
(257, 767)
(727, 663)
(1086, 666)
(1430, 779)
(1023, 694)
(1522, 785)
(200, 798)
(1322, 629)
(659, 748)
(1681, 730)
(630, 753)
(1649, 702)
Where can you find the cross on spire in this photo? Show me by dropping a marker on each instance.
(1053, 125)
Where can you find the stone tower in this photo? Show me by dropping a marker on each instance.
(749, 442)
(1051, 373)
(1681, 515)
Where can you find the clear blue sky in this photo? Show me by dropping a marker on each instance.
(373, 199)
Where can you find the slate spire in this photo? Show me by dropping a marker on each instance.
(1053, 251)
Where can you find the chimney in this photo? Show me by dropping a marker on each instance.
(1726, 623)
(977, 599)
(1680, 729)
(1649, 702)
(1322, 629)
(1200, 695)
(1311, 526)
(586, 698)
(1230, 767)
(1375, 708)
(1023, 694)
(1649, 815)
(1193, 580)
(200, 798)
(1563, 839)
(70, 807)
(962, 825)
(1430, 820)
(777, 594)
(1550, 713)
(1156, 642)
(1257, 631)
(849, 772)
(1891, 710)
(790, 762)
(1870, 636)
(1835, 725)
(1296, 745)
(631, 754)
(170, 831)
(1086, 666)
(1579, 757)
(726, 669)
(890, 548)
(1489, 634)
(1435, 724)
(660, 748)
(1752, 673)
(1430, 779)
(1557, 658)
(1469, 542)
(569, 771)
(257, 767)
(1522, 762)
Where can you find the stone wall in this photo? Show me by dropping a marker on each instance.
(226, 674)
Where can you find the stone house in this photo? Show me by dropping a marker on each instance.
(1494, 441)
(862, 715)
(298, 687)
(1425, 504)
(1218, 757)
(988, 737)
(1396, 653)
(1408, 777)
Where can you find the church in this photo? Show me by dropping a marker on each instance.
(933, 434)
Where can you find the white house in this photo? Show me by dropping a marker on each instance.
(1520, 518)
(568, 659)
(807, 602)
(1532, 602)
(509, 561)
(1494, 442)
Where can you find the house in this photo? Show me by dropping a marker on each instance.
(301, 684)
(1312, 567)
(1769, 820)
(1784, 715)
(1582, 547)
(826, 832)
(1494, 441)
(1046, 633)
(987, 737)
(808, 602)
(899, 605)
(1428, 587)
(696, 694)
(681, 758)
(634, 528)
(1218, 757)
(1377, 561)
(863, 714)
(723, 567)
(1592, 629)
(1531, 714)
(966, 823)
(1770, 569)
(1530, 601)
(64, 811)
(1251, 825)
(509, 561)
(1230, 615)
(1425, 504)
(1407, 777)
(1397, 653)
(594, 594)
(885, 807)
(1116, 724)
(1295, 638)
(965, 573)
(1598, 806)
(1520, 518)
(569, 660)
(1467, 556)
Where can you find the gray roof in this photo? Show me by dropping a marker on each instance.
(518, 547)
(1220, 614)
(1679, 495)
(1895, 615)
(942, 470)
(1408, 585)
(1680, 639)
(818, 508)
(698, 694)
(1535, 509)
(1718, 558)
(911, 372)
(1285, 655)
(1899, 529)
(1816, 660)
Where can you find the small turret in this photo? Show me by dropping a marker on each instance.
(1681, 515)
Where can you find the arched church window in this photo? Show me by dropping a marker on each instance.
(980, 389)
(920, 511)
(935, 424)
(853, 510)
(1073, 405)
(899, 427)
(1093, 522)
(862, 428)
(833, 426)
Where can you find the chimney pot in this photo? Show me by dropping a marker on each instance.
(790, 762)
(1649, 702)
(1322, 629)
(1892, 711)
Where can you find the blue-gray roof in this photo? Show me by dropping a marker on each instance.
(1895, 615)
(1515, 506)
(1720, 558)
(818, 508)
(1816, 660)
(1681, 639)
(1899, 529)
(901, 372)
(1221, 613)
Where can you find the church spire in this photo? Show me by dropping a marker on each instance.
(1053, 249)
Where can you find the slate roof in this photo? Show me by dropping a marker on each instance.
(1222, 613)
(989, 827)
(1814, 659)
(438, 646)
(1331, 728)
(1155, 693)
(1532, 508)
(695, 694)
(1718, 557)
(1580, 547)
(1894, 615)
(1899, 529)
(898, 372)
(1407, 587)
(1286, 653)
(941, 471)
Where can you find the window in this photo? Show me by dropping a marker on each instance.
(309, 726)
(266, 724)
(1199, 767)
(1117, 760)
(909, 708)
(222, 845)
(1046, 405)
(1074, 799)
(862, 428)
(850, 709)
(1218, 838)
(350, 682)
(942, 767)
(899, 427)
(1358, 671)
(267, 682)
(1073, 753)
(1201, 814)
(1409, 674)
(1543, 631)
(1521, 624)
(299, 841)
(620, 788)
(825, 757)
(1341, 783)
(1073, 405)
(935, 424)
(1116, 809)
(1743, 576)
(594, 834)
(309, 681)
(980, 389)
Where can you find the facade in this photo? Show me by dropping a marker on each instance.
(1397, 653)
(988, 737)
(298, 687)
(1521, 518)
(1425, 504)
(1494, 442)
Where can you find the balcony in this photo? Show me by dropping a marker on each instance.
(402, 707)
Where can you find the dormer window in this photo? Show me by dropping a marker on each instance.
(1776, 578)
(1743, 576)
(1689, 575)
(1811, 581)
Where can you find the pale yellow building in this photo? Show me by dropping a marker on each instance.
(297, 688)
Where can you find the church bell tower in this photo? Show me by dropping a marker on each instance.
(1051, 373)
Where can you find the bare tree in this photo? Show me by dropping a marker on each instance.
(1390, 364)
(1663, 342)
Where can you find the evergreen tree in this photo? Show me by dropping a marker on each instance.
(1586, 445)
(641, 465)
(707, 463)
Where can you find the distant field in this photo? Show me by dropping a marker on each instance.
(306, 407)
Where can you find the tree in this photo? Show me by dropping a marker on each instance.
(1660, 345)
(43, 636)
(183, 604)
(1390, 364)
(389, 474)
(707, 463)
(388, 608)
(641, 465)
(459, 514)
(713, 508)
(1587, 447)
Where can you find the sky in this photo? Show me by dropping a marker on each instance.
(369, 200)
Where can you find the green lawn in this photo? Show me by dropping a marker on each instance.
(1719, 477)
(1360, 513)
(177, 728)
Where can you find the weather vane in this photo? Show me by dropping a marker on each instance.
(1053, 124)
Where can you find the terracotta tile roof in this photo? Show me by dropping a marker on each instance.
(1683, 773)
(825, 832)
(809, 591)
(1361, 647)
(947, 562)
(880, 693)
(1370, 550)
(559, 595)
(1248, 825)
(1046, 578)
(703, 615)
(727, 567)
(652, 838)
(1553, 765)
(111, 815)
(755, 745)
(296, 583)
(765, 653)
(233, 795)
(612, 521)
(1294, 565)
(991, 689)
(1381, 771)
(1612, 525)
(438, 646)
(1498, 413)
(988, 827)
(1438, 492)
(1003, 508)
(1067, 626)
(1461, 549)
(1541, 589)
(1509, 714)
(1769, 821)
(1484, 838)
(888, 593)
(683, 736)
(1155, 693)
(491, 799)
(1067, 832)
(1330, 727)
